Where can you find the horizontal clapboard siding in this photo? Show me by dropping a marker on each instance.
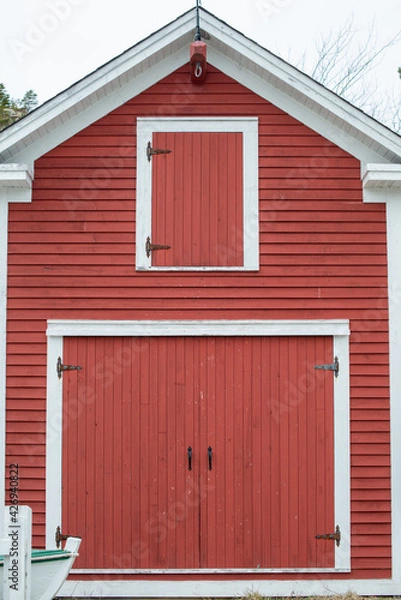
(322, 252)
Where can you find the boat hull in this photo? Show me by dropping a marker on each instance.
(49, 569)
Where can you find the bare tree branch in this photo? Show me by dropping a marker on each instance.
(343, 66)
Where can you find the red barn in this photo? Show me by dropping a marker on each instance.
(200, 325)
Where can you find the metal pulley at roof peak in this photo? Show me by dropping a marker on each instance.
(198, 54)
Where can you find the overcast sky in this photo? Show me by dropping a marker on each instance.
(47, 45)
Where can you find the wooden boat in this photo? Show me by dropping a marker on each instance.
(49, 569)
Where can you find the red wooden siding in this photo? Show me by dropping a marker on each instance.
(197, 199)
(323, 255)
(267, 416)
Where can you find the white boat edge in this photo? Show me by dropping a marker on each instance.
(54, 577)
(50, 570)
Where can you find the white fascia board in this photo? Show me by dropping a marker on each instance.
(302, 85)
(166, 50)
(83, 117)
(118, 81)
(323, 120)
(381, 175)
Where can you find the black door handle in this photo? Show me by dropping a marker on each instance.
(210, 454)
(189, 453)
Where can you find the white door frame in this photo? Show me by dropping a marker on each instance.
(248, 126)
(338, 329)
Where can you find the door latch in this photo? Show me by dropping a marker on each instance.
(210, 456)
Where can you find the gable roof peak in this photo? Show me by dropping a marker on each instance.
(166, 50)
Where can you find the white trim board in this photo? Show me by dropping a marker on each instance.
(394, 292)
(15, 175)
(59, 328)
(15, 186)
(162, 588)
(249, 129)
(3, 336)
(381, 176)
(100, 92)
(338, 329)
(166, 50)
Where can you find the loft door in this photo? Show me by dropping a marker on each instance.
(197, 199)
(197, 194)
(199, 452)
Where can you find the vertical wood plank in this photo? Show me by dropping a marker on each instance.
(130, 416)
(197, 194)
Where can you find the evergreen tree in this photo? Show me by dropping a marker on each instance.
(28, 102)
(4, 107)
(11, 110)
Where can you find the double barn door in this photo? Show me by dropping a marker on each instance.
(199, 452)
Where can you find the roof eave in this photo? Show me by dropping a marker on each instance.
(166, 50)
(302, 97)
(381, 176)
(98, 93)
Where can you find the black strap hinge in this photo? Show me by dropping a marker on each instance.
(149, 247)
(153, 151)
(59, 537)
(336, 536)
(60, 368)
(335, 366)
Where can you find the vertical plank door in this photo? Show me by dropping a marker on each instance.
(268, 415)
(197, 199)
(258, 483)
(129, 418)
